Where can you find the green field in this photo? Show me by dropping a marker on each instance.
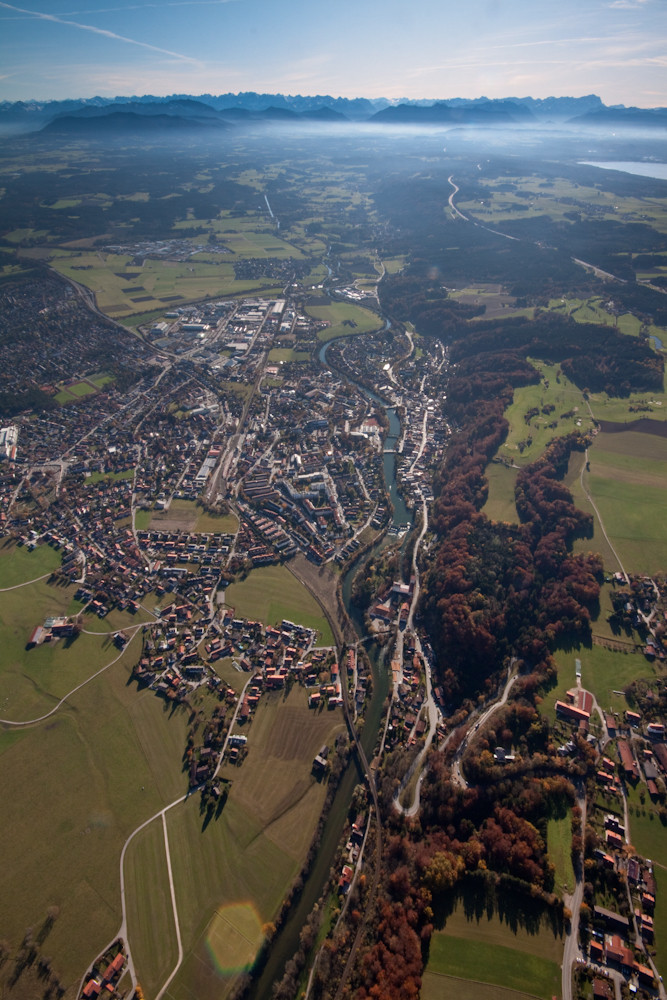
(74, 788)
(628, 481)
(278, 355)
(527, 441)
(491, 951)
(32, 681)
(500, 505)
(231, 878)
(437, 986)
(187, 515)
(649, 838)
(150, 920)
(19, 565)
(603, 671)
(272, 593)
(559, 843)
(344, 320)
(159, 280)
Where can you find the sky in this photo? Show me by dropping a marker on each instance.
(55, 49)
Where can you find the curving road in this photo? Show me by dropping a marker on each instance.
(457, 777)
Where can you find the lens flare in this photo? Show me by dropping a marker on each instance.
(234, 937)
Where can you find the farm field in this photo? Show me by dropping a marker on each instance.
(491, 951)
(513, 198)
(150, 920)
(112, 769)
(119, 296)
(246, 859)
(439, 986)
(628, 479)
(272, 593)
(345, 319)
(18, 565)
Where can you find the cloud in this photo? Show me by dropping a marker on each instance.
(98, 31)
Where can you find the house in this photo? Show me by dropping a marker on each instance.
(627, 761)
(602, 988)
(566, 711)
(614, 921)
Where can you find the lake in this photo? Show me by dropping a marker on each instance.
(657, 170)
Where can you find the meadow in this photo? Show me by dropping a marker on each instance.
(230, 888)
(489, 950)
(648, 837)
(160, 281)
(344, 320)
(627, 478)
(20, 565)
(74, 788)
(272, 593)
(559, 844)
(604, 671)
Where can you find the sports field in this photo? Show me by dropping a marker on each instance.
(488, 950)
(272, 593)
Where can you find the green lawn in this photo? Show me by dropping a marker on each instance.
(603, 671)
(19, 565)
(272, 593)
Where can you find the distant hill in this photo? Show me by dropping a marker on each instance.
(475, 113)
(651, 117)
(115, 122)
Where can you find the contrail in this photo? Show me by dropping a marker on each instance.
(97, 31)
(142, 6)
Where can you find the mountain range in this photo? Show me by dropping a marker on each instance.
(182, 112)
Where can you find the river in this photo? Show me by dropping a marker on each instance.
(286, 942)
